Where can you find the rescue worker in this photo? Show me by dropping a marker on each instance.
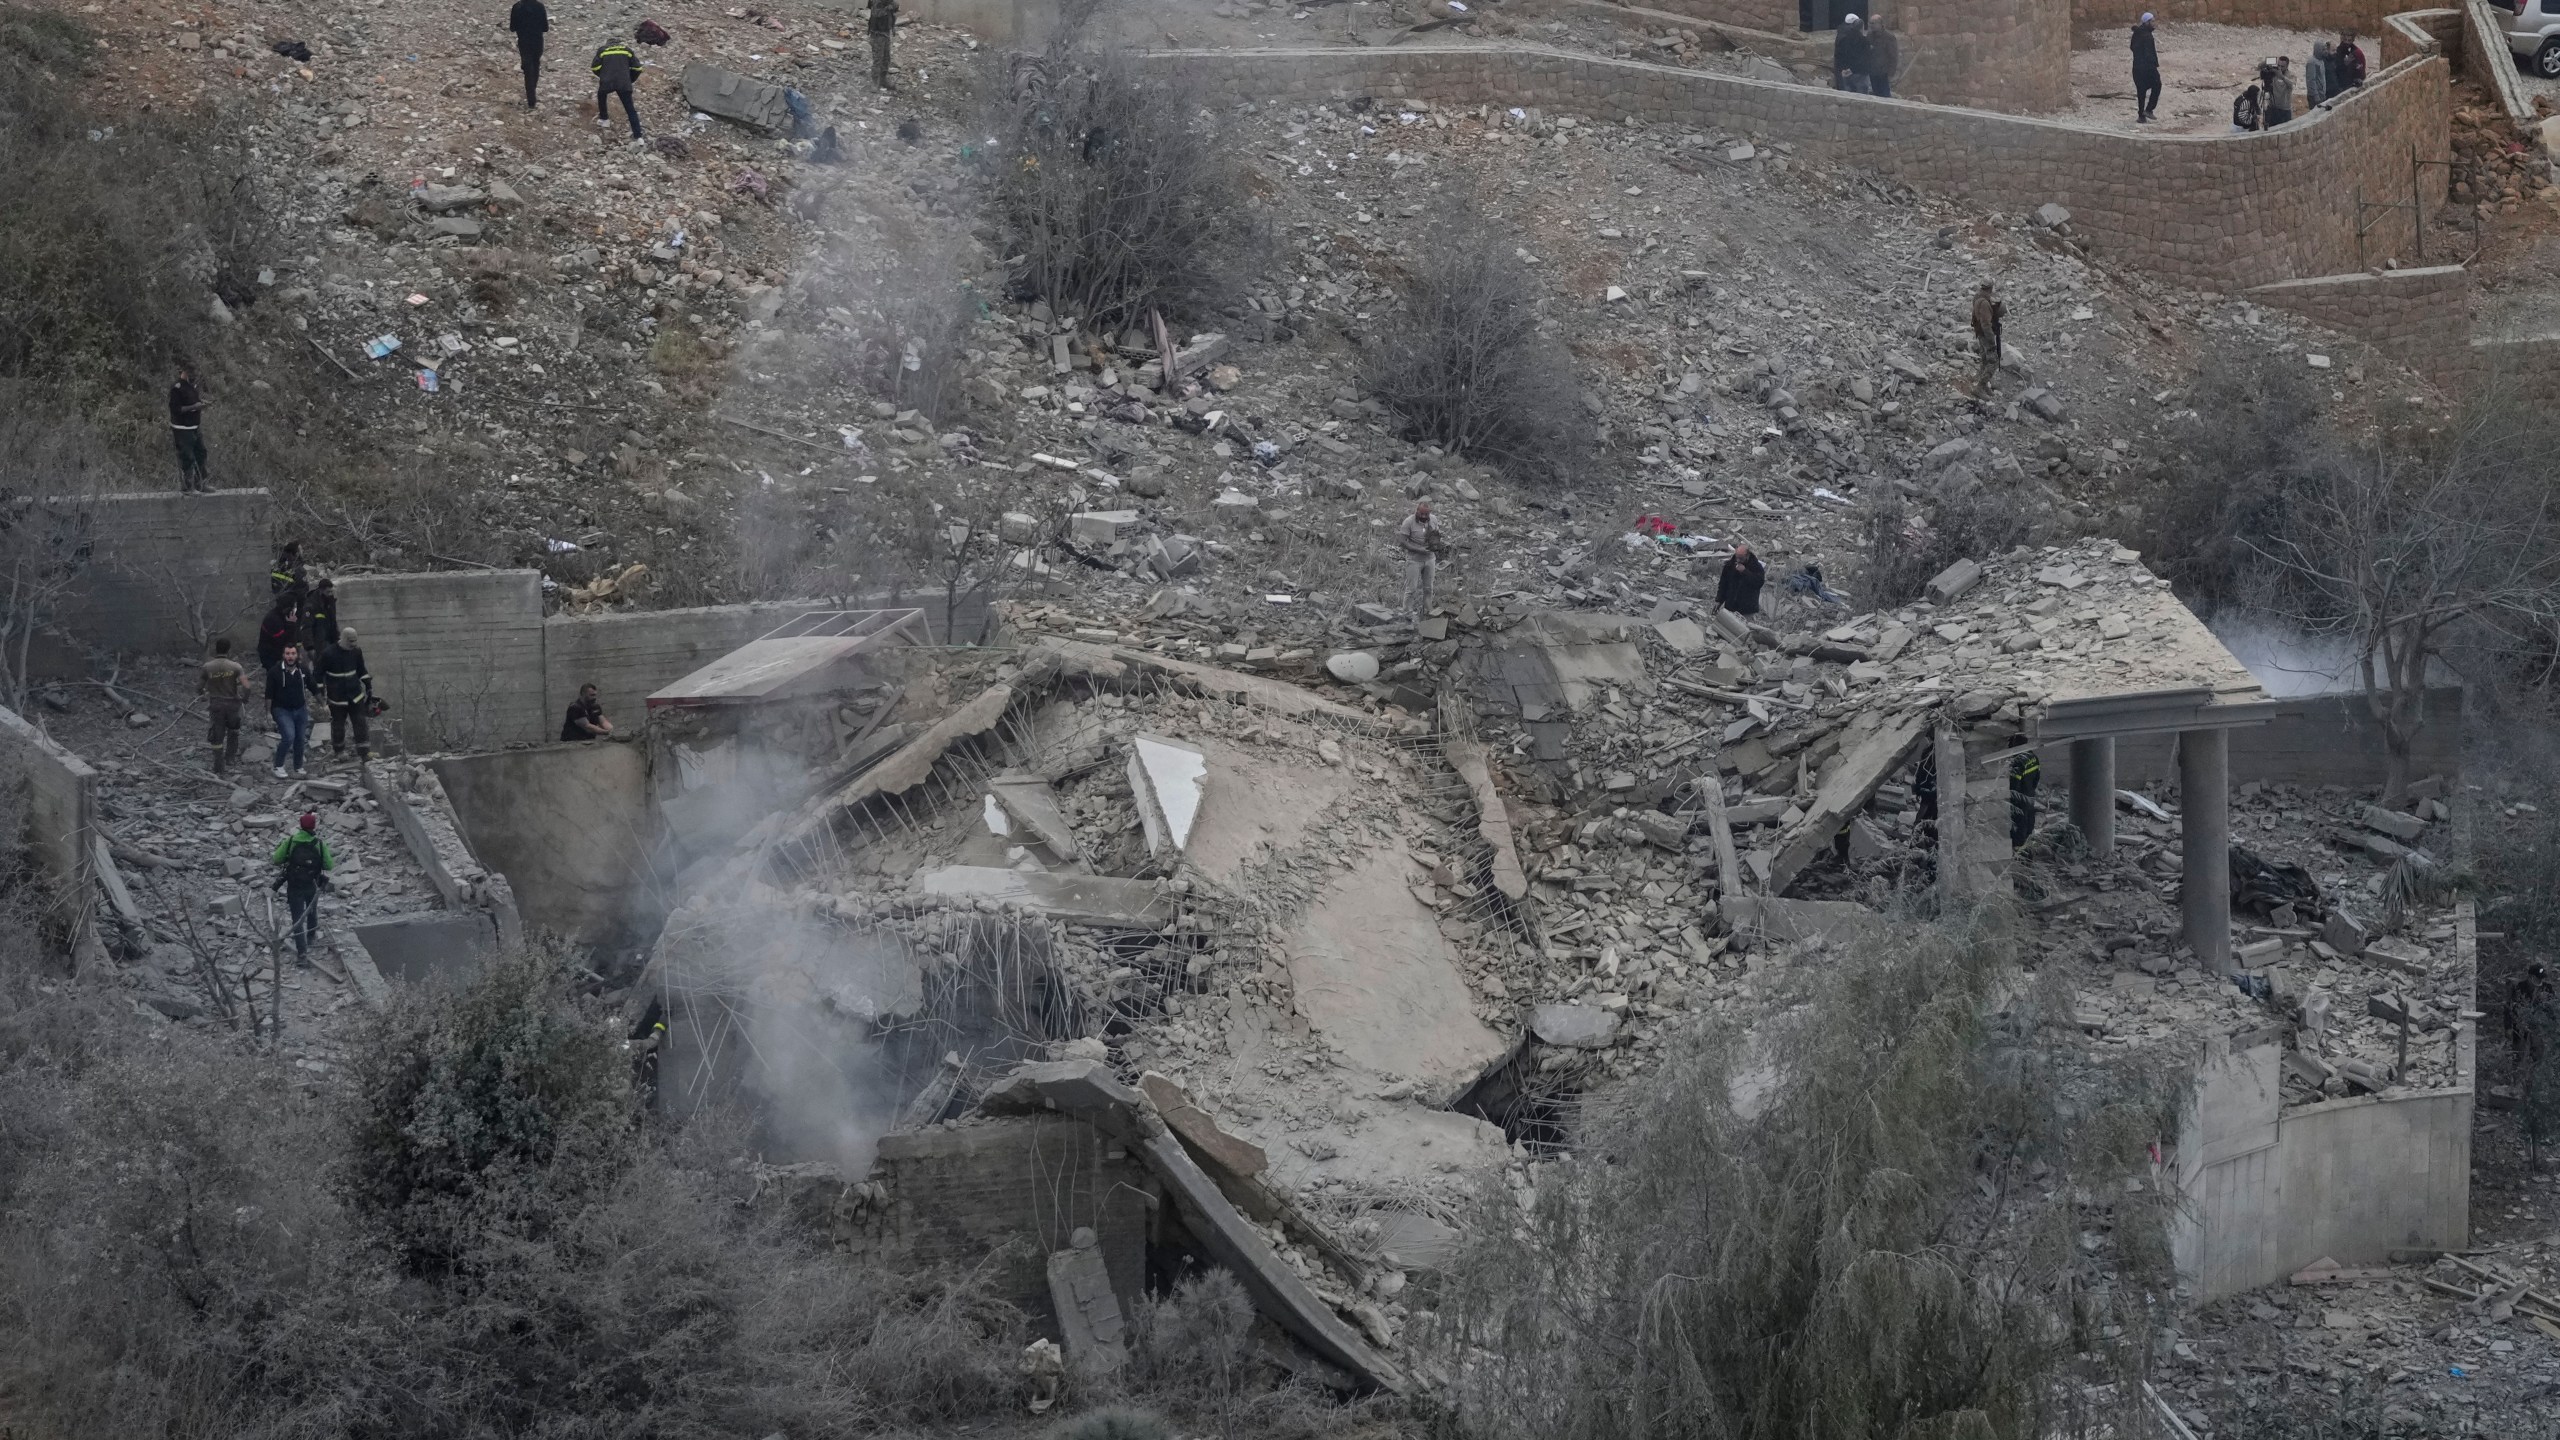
(2025, 773)
(617, 69)
(283, 622)
(303, 863)
(226, 685)
(883, 24)
(348, 687)
(186, 429)
(1420, 539)
(530, 22)
(320, 615)
(1988, 313)
(1738, 583)
(288, 577)
(586, 717)
(289, 687)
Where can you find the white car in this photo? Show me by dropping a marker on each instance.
(2533, 32)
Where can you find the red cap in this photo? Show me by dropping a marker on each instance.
(310, 819)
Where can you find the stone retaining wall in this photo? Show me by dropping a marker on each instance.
(2006, 55)
(2224, 211)
(2421, 317)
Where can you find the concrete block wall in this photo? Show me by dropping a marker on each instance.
(2007, 55)
(2224, 211)
(2486, 59)
(970, 1197)
(2420, 317)
(570, 826)
(458, 655)
(626, 655)
(53, 794)
(165, 572)
(2270, 1190)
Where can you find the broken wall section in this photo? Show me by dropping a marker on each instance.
(52, 794)
(165, 572)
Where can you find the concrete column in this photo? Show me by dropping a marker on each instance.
(2093, 793)
(2204, 814)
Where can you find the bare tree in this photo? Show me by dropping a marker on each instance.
(2396, 550)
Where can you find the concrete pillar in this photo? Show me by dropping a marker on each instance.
(2204, 814)
(2093, 793)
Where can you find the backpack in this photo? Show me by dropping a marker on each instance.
(2244, 111)
(302, 862)
(652, 33)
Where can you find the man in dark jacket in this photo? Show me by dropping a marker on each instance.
(348, 687)
(586, 718)
(1884, 56)
(186, 428)
(1849, 57)
(303, 863)
(1988, 337)
(289, 687)
(531, 22)
(1738, 584)
(2146, 72)
(279, 630)
(617, 69)
(320, 615)
(2350, 63)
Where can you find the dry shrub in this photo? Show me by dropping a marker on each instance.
(2257, 426)
(1904, 545)
(1864, 1218)
(190, 1246)
(1467, 364)
(1112, 188)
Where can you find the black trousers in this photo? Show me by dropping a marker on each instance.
(341, 718)
(628, 113)
(302, 902)
(190, 445)
(2146, 92)
(529, 55)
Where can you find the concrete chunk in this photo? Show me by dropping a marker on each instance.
(1090, 899)
(1578, 1027)
(1089, 1316)
(1846, 787)
(1168, 778)
(735, 97)
(1954, 581)
(1683, 636)
(1099, 527)
(2393, 823)
(1211, 1146)
(1028, 799)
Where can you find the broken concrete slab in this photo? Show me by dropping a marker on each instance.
(1376, 980)
(1076, 899)
(1169, 780)
(1493, 818)
(1099, 528)
(1578, 1027)
(1682, 635)
(1846, 787)
(1213, 1147)
(735, 97)
(1205, 350)
(1029, 800)
(1090, 1321)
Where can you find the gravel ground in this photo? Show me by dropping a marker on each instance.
(2202, 68)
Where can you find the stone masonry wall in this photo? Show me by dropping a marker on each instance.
(2366, 16)
(1779, 17)
(2421, 318)
(2007, 55)
(2222, 211)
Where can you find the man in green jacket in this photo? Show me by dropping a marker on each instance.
(303, 863)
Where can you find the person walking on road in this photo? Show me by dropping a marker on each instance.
(348, 687)
(1738, 583)
(617, 70)
(882, 25)
(530, 22)
(2146, 72)
(1884, 57)
(289, 688)
(226, 685)
(303, 863)
(186, 429)
(1420, 539)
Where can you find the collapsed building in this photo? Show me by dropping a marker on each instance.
(1114, 964)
